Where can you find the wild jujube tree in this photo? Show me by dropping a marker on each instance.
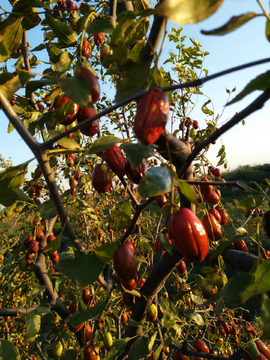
(107, 268)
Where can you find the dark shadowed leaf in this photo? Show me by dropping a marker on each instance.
(265, 315)
(64, 32)
(156, 181)
(100, 25)
(223, 244)
(105, 252)
(103, 143)
(261, 82)
(83, 268)
(77, 89)
(11, 31)
(165, 243)
(10, 83)
(10, 181)
(117, 348)
(8, 351)
(234, 23)
(136, 152)
(139, 349)
(188, 11)
(70, 354)
(47, 209)
(87, 314)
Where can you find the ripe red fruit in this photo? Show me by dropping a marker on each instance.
(33, 247)
(27, 241)
(105, 50)
(92, 128)
(224, 216)
(195, 124)
(128, 299)
(101, 178)
(206, 189)
(86, 296)
(130, 285)
(88, 334)
(217, 172)
(40, 235)
(142, 281)
(181, 267)
(77, 175)
(90, 353)
(92, 81)
(157, 246)
(130, 245)
(86, 49)
(212, 227)
(151, 117)
(188, 122)
(201, 346)
(240, 246)
(266, 223)
(54, 257)
(189, 235)
(265, 254)
(72, 307)
(72, 182)
(99, 38)
(263, 348)
(135, 175)
(161, 200)
(116, 160)
(179, 356)
(70, 161)
(216, 214)
(212, 198)
(124, 263)
(62, 100)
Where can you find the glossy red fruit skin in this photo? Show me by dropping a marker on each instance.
(92, 128)
(61, 100)
(130, 245)
(72, 307)
(265, 254)
(151, 117)
(99, 38)
(181, 267)
(101, 178)
(195, 124)
(217, 172)
(263, 348)
(135, 175)
(161, 200)
(201, 346)
(33, 247)
(266, 223)
(86, 296)
(240, 246)
(87, 333)
(124, 263)
(90, 353)
(206, 189)
(212, 198)
(189, 235)
(27, 241)
(179, 356)
(86, 49)
(116, 160)
(210, 224)
(92, 81)
(40, 235)
(130, 285)
(224, 216)
(216, 214)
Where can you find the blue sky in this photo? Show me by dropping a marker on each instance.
(248, 144)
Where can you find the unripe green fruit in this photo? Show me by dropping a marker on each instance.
(108, 340)
(151, 312)
(57, 348)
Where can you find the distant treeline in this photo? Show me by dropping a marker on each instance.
(247, 174)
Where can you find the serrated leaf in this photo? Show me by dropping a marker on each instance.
(63, 31)
(136, 152)
(83, 268)
(234, 23)
(87, 314)
(8, 351)
(105, 251)
(100, 26)
(103, 143)
(188, 11)
(10, 181)
(11, 31)
(261, 82)
(67, 143)
(165, 243)
(118, 348)
(156, 181)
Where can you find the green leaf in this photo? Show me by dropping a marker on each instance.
(83, 268)
(156, 181)
(165, 243)
(32, 323)
(157, 352)
(126, 207)
(103, 143)
(246, 204)
(139, 349)
(47, 209)
(100, 26)
(117, 348)
(64, 32)
(8, 351)
(197, 318)
(11, 31)
(234, 23)
(105, 252)
(188, 11)
(223, 244)
(267, 30)
(168, 307)
(67, 143)
(53, 245)
(10, 83)
(10, 181)
(87, 314)
(243, 185)
(38, 84)
(36, 291)
(265, 315)
(77, 89)
(63, 64)
(136, 152)
(187, 190)
(261, 82)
